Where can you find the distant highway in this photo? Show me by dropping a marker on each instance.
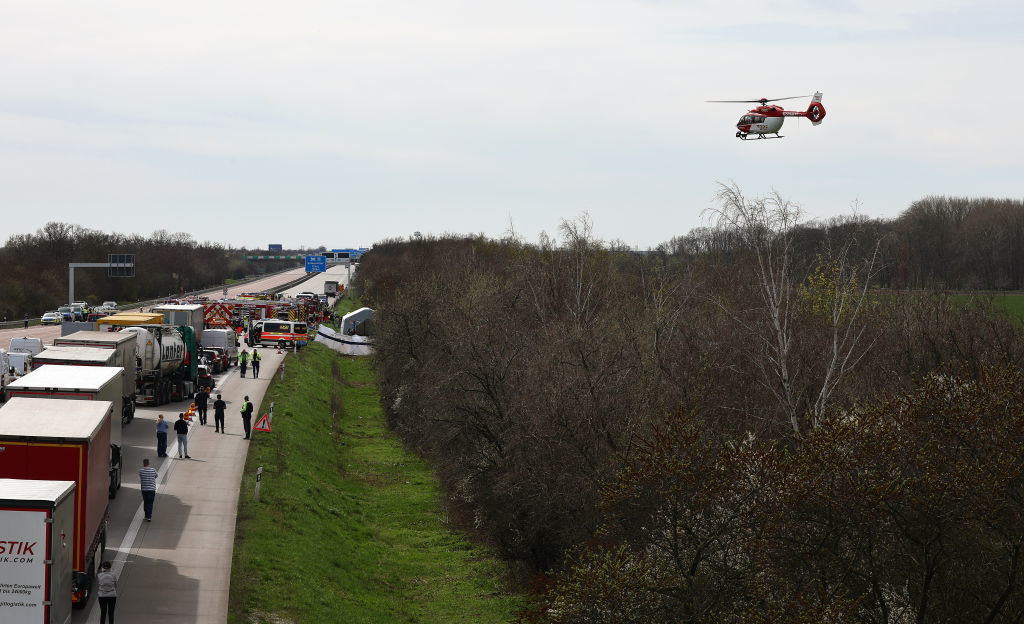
(315, 283)
(49, 332)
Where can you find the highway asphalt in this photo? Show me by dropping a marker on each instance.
(177, 568)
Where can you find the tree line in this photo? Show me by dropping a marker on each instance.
(35, 276)
(748, 425)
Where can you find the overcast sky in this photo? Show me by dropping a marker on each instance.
(343, 123)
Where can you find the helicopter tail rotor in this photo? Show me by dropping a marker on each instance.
(816, 112)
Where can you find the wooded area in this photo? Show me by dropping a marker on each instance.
(764, 421)
(35, 267)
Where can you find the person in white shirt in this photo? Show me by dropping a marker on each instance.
(106, 586)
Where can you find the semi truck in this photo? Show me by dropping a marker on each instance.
(115, 322)
(38, 520)
(331, 288)
(75, 356)
(102, 384)
(167, 363)
(183, 314)
(49, 439)
(123, 346)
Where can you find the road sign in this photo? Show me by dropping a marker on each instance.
(120, 265)
(316, 264)
(263, 424)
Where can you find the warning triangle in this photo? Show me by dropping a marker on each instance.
(263, 424)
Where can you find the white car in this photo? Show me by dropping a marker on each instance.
(52, 318)
(109, 305)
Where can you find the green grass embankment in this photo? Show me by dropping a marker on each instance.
(350, 526)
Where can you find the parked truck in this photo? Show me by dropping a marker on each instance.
(168, 360)
(48, 439)
(38, 520)
(115, 322)
(75, 356)
(183, 314)
(331, 288)
(102, 384)
(123, 346)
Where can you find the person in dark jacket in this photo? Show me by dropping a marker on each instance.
(181, 428)
(218, 414)
(201, 400)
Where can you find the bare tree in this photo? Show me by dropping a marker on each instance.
(765, 226)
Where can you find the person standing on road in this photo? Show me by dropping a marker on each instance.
(181, 428)
(147, 483)
(256, 357)
(161, 435)
(218, 414)
(106, 591)
(201, 398)
(243, 360)
(26, 321)
(246, 415)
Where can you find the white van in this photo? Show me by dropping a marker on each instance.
(225, 339)
(27, 345)
(20, 362)
(5, 374)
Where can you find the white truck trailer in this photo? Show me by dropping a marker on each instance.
(123, 347)
(87, 383)
(38, 520)
(183, 314)
(75, 356)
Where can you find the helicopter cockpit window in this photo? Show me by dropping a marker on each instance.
(758, 119)
(746, 119)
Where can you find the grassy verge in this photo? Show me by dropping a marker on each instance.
(349, 527)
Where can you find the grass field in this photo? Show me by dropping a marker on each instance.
(1013, 304)
(349, 527)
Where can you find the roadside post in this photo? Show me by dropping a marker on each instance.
(259, 476)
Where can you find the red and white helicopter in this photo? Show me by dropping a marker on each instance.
(766, 119)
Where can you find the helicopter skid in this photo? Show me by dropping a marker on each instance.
(756, 137)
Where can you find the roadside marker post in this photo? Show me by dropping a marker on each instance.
(259, 477)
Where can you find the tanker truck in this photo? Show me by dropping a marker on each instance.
(167, 363)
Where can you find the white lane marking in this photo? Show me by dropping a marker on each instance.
(128, 542)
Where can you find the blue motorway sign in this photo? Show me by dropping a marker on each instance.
(316, 264)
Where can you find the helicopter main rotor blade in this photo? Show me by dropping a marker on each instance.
(793, 97)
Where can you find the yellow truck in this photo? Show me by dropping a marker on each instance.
(116, 322)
